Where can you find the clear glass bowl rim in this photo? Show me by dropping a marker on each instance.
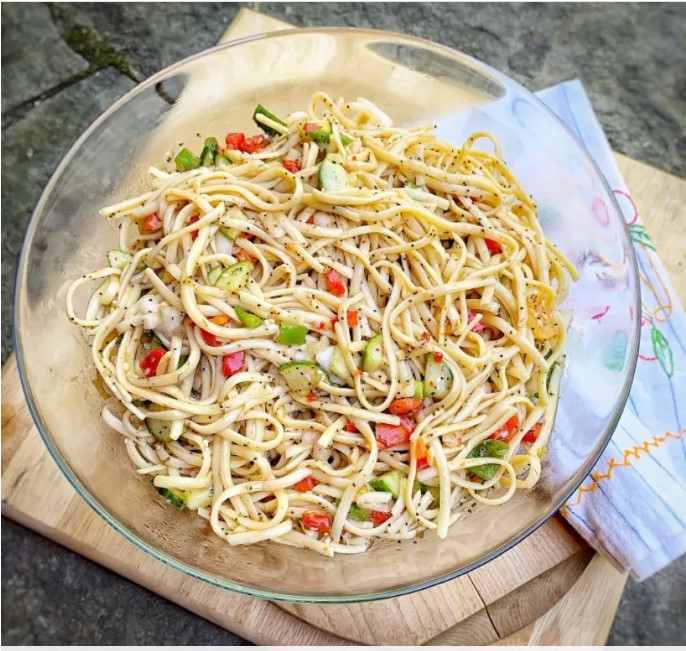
(263, 593)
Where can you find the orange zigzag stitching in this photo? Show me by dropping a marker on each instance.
(635, 451)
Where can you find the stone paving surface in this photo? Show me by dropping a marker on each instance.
(63, 64)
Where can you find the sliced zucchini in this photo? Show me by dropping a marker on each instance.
(209, 151)
(389, 483)
(345, 139)
(338, 367)
(372, 357)
(357, 513)
(418, 389)
(248, 319)
(229, 231)
(260, 110)
(220, 159)
(234, 277)
(332, 176)
(118, 259)
(302, 376)
(438, 378)
(214, 275)
(173, 496)
(198, 498)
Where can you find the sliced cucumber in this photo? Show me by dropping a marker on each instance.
(338, 367)
(160, 429)
(291, 334)
(372, 357)
(234, 277)
(260, 110)
(345, 139)
(118, 259)
(186, 160)
(438, 378)
(388, 483)
(302, 376)
(209, 151)
(434, 490)
(248, 319)
(229, 231)
(332, 176)
(173, 496)
(198, 498)
(357, 513)
(321, 135)
(214, 275)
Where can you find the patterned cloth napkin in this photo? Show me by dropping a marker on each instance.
(632, 506)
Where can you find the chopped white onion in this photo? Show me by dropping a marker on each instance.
(170, 323)
(223, 244)
(148, 305)
(321, 219)
(310, 437)
(324, 358)
(151, 321)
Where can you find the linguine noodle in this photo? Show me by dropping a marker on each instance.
(337, 332)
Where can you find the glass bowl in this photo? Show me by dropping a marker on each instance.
(214, 92)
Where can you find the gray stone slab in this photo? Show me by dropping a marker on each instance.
(31, 150)
(53, 596)
(28, 34)
(628, 57)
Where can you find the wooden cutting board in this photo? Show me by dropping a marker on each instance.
(549, 589)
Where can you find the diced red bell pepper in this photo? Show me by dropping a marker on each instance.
(243, 256)
(193, 220)
(234, 363)
(306, 485)
(406, 422)
(313, 396)
(255, 143)
(151, 224)
(209, 338)
(235, 141)
(292, 166)
(350, 427)
(532, 435)
(310, 126)
(505, 432)
(493, 246)
(379, 517)
(316, 521)
(405, 405)
(334, 283)
(151, 361)
(390, 436)
(353, 318)
(425, 336)
(438, 357)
